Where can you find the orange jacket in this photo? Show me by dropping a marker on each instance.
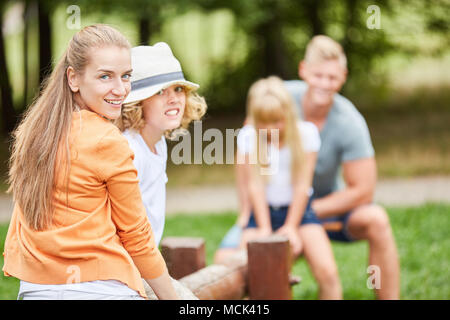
(102, 232)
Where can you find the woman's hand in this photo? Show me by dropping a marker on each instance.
(294, 238)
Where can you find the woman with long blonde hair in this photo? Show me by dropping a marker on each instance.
(79, 228)
(161, 105)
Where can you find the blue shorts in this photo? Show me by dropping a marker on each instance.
(277, 217)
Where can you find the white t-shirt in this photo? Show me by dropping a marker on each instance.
(279, 187)
(151, 169)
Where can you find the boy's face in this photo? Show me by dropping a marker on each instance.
(164, 110)
(324, 79)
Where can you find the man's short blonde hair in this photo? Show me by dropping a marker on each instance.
(321, 48)
(132, 115)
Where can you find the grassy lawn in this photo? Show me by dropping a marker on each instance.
(422, 239)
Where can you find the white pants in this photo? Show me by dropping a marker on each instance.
(73, 295)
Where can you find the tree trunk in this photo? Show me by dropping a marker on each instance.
(25, 53)
(312, 13)
(347, 43)
(144, 31)
(272, 45)
(45, 47)
(8, 114)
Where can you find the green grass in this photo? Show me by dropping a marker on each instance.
(9, 286)
(422, 239)
(424, 250)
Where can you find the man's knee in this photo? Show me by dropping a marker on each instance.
(378, 222)
(369, 222)
(380, 217)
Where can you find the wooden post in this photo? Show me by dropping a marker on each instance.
(183, 256)
(269, 264)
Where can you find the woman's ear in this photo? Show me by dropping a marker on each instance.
(72, 79)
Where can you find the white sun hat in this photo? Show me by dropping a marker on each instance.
(154, 68)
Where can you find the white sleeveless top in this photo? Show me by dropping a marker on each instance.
(279, 187)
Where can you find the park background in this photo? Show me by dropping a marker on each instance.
(399, 79)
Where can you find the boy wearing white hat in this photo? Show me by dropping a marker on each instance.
(161, 105)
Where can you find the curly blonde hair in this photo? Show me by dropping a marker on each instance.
(132, 116)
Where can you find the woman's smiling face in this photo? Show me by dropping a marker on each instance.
(105, 82)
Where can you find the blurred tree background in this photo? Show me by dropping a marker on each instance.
(399, 73)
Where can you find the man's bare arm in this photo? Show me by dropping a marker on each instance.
(360, 177)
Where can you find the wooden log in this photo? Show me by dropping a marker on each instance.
(183, 255)
(269, 264)
(216, 282)
(227, 281)
(182, 291)
(238, 261)
(220, 282)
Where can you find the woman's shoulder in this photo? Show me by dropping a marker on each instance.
(90, 130)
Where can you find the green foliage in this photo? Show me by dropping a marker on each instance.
(269, 37)
(9, 286)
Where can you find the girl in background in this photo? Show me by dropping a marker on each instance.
(79, 228)
(161, 105)
(278, 154)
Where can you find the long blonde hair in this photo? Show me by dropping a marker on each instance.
(41, 145)
(268, 101)
(132, 116)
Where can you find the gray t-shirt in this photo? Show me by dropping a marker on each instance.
(345, 137)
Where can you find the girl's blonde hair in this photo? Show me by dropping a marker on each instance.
(268, 101)
(42, 135)
(132, 116)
